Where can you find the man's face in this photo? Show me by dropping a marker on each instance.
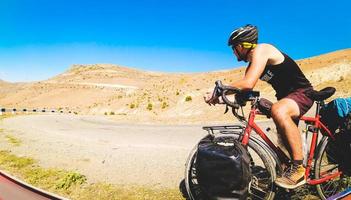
(238, 51)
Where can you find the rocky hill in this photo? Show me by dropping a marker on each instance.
(135, 96)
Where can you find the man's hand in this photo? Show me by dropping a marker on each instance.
(211, 99)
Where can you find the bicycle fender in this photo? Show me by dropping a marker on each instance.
(319, 146)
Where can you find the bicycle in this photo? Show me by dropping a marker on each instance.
(267, 159)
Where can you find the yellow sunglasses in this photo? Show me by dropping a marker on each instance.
(248, 45)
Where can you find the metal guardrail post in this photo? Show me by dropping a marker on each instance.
(25, 110)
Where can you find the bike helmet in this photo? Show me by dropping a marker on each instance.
(248, 33)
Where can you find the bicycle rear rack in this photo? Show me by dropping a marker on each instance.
(229, 129)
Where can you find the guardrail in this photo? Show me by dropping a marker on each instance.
(25, 110)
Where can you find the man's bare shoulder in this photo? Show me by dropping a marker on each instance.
(267, 47)
(271, 52)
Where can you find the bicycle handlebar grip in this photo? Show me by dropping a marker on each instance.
(228, 102)
(218, 89)
(231, 89)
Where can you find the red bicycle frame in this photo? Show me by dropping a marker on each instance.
(317, 125)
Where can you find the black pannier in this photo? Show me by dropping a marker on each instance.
(335, 113)
(222, 168)
(343, 146)
(337, 116)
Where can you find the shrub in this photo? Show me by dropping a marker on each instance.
(112, 113)
(341, 79)
(13, 140)
(164, 105)
(71, 179)
(149, 106)
(188, 98)
(131, 106)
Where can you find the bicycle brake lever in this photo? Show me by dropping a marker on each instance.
(226, 109)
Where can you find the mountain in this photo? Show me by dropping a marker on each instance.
(2, 82)
(132, 95)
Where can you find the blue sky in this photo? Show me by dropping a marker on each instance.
(42, 38)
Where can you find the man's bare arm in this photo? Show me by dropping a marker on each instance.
(260, 57)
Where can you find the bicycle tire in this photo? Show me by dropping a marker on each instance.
(326, 159)
(255, 192)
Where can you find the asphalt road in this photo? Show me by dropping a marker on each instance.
(104, 150)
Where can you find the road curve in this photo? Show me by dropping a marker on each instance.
(14, 189)
(124, 154)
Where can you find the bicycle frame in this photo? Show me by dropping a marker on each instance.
(316, 126)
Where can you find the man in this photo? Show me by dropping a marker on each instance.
(267, 63)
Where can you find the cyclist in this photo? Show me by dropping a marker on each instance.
(269, 64)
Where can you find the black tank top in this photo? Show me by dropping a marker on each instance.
(285, 77)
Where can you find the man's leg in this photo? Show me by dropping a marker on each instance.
(282, 113)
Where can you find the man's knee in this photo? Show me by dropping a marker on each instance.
(278, 111)
(285, 108)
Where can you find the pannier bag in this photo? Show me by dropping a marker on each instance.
(222, 168)
(265, 106)
(335, 113)
(343, 154)
(343, 143)
(347, 123)
(337, 116)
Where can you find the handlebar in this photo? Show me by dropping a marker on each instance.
(221, 90)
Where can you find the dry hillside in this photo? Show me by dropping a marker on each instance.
(132, 95)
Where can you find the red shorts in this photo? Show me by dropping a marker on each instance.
(302, 100)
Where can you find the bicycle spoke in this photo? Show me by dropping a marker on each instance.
(256, 196)
(262, 179)
(260, 174)
(258, 190)
(336, 189)
(333, 191)
(331, 187)
(326, 165)
(329, 184)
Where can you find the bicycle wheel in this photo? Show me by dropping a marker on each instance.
(262, 169)
(326, 164)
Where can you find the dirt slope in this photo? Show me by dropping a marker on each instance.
(133, 95)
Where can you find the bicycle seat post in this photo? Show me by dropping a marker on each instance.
(318, 108)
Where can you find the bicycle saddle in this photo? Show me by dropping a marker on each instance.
(322, 94)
